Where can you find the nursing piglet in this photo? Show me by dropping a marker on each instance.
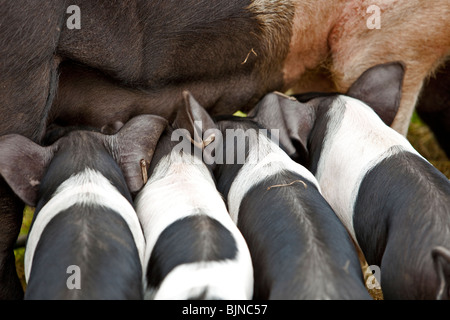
(194, 250)
(85, 241)
(394, 202)
(299, 248)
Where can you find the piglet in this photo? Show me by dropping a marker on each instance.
(395, 204)
(193, 250)
(299, 248)
(85, 241)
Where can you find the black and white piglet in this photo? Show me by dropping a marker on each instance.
(299, 248)
(193, 250)
(85, 241)
(394, 202)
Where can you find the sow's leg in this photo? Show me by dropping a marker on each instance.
(433, 106)
(28, 77)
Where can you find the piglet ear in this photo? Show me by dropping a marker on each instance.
(194, 118)
(23, 164)
(134, 145)
(380, 87)
(293, 119)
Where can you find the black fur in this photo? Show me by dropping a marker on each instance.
(96, 239)
(282, 225)
(100, 243)
(433, 106)
(78, 152)
(191, 239)
(319, 131)
(161, 47)
(401, 213)
(287, 229)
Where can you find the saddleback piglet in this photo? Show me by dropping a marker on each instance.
(85, 241)
(299, 247)
(393, 201)
(193, 250)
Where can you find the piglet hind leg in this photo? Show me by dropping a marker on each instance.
(432, 283)
(10, 222)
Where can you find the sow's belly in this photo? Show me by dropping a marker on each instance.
(148, 53)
